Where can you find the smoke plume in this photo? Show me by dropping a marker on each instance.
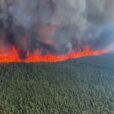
(56, 26)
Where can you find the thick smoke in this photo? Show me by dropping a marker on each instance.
(56, 26)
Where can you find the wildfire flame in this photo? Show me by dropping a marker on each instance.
(12, 56)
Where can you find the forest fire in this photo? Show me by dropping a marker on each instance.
(12, 56)
(54, 30)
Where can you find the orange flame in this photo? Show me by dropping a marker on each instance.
(12, 56)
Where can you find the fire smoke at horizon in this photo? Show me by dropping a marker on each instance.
(12, 56)
(55, 30)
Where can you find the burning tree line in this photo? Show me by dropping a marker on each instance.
(51, 30)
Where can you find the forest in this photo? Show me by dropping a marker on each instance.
(81, 86)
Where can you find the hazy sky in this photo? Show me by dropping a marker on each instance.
(60, 25)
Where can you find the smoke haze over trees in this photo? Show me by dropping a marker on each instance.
(56, 26)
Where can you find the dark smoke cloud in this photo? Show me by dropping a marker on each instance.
(56, 26)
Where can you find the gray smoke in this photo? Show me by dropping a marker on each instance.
(56, 26)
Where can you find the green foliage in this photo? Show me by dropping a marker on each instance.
(84, 86)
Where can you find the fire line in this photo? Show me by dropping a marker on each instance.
(12, 56)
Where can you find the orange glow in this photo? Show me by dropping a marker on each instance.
(12, 56)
